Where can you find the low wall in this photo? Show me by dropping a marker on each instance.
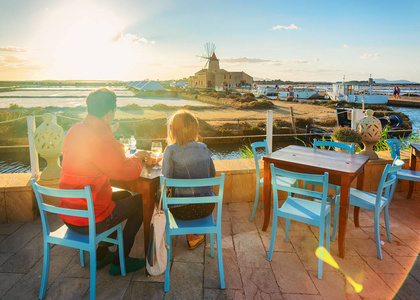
(18, 203)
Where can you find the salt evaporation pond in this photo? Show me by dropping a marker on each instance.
(65, 97)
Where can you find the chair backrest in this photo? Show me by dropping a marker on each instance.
(321, 180)
(343, 146)
(395, 147)
(61, 193)
(257, 156)
(388, 182)
(174, 183)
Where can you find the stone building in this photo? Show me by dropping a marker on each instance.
(214, 77)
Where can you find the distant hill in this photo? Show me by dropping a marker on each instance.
(383, 80)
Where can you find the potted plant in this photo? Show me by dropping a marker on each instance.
(347, 135)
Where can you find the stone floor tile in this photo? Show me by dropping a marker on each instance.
(239, 206)
(18, 239)
(59, 250)
(305, 247)
(29, 285)
(239, 227)
(110, 287)
(75, 270)
(280, 244)
(394, 281)
(240, 216)
(232, 274)
(186, 281)
(260, 284)
(25, 257)
(227, 294)
(180, 252)
(332, 286)
(291, 275)
(141, 276)
(406, 262)
(410, 289)
(143, 290)
(248, 242)
(9, 228)
(68, 289)
(301, 297)
(7, 281)
(385, 265)
(249, 259)
(399, 248)
(5, 256)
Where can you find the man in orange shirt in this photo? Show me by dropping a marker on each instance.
(92, 156)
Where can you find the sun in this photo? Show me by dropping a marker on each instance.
(81, 44)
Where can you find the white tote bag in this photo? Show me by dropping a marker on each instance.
(157, 254)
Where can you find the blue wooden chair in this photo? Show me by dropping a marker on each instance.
(208, 224)
(336, 188)
(409, 175)
(67, 237)
(380, 201)
(306, 211)
(260, 181)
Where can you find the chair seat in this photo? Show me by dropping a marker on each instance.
(364, 199)
(203, 222)
(281, 180)
(408, 175)
(302, 210)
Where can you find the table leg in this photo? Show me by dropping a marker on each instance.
(267, 195)
(356, 212)
(148, 197)
(413, 168)
(344, 211)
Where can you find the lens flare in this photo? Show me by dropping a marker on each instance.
(323, 253)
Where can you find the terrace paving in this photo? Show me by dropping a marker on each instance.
(292, 273)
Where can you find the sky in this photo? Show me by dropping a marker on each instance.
(299, 40)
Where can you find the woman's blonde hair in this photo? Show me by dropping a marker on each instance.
(183, 128)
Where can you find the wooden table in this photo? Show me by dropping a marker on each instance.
(146, 185)
(342, 168)
(415, 152)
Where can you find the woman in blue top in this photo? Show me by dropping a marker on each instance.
(184, 158)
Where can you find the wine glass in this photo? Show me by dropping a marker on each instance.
(126, 143)
(156, 150)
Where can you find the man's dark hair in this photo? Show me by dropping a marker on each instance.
(101, 101)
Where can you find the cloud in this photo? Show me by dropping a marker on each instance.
(13, 49)
(370, 56)
(316, 59)
(11, 62)
(345, 46)
(280, 27)
(131, 38)
(248, 60)
(295, 61)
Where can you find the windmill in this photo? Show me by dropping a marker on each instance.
(209, 48)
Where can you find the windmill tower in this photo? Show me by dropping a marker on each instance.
(211, 60)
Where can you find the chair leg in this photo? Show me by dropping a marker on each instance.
(321, 244)
(121, 250)
(257, 194)
(212, 245)
(92, 273)
(82, 258)
(327, 238)
(388, 229)
(273, 238)
(286, 232)
(45, 270)
(377, 236)
(220, 259)
(168, 263)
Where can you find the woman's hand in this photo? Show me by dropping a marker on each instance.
(144, 156)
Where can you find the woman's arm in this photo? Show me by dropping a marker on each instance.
(167, 164)
(212, 169)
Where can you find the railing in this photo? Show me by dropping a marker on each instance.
(268, 118)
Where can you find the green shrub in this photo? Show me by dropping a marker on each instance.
(347, 135)
(302, 122)
(132, 106)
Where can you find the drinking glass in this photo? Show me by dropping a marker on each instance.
(126, 143)
(156, 150)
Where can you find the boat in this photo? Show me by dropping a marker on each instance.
(268, 92)
(352, 93)
(298, 92)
